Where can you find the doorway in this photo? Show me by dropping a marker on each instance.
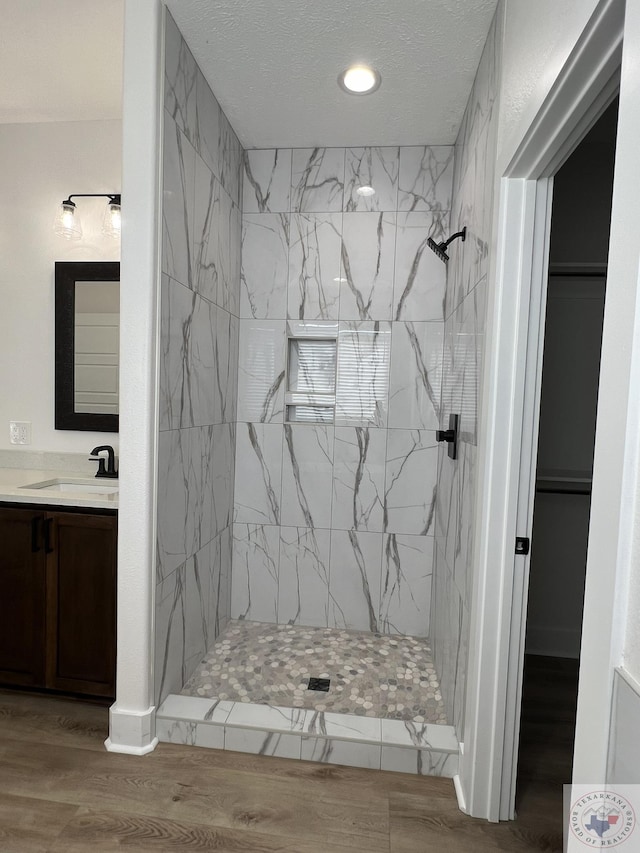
(580, 224)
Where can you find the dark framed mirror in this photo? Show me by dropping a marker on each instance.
(87, 344)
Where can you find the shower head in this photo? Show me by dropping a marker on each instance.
(440, 248)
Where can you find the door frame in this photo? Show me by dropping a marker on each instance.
(509, 416)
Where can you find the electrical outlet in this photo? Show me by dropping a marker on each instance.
(20, 432)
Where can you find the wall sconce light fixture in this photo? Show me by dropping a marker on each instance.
(67, 223)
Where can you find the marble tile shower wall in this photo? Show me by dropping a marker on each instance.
(472, 206)
(334, 524)
(201, 244)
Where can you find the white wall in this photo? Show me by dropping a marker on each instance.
(538, 38)
(624, 339)
(40, 164)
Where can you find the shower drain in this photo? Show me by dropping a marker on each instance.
(321, 684)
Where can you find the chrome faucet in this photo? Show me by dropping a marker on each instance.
(110, 470)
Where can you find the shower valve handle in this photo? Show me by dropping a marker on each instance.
(450, 436)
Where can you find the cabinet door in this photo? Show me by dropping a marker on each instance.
(81, 603)
(22, 598)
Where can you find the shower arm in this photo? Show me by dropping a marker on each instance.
(442, 246)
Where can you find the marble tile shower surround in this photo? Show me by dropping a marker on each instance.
(201, 245)
(465, 308)
(334, 523)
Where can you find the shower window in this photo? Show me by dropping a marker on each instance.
(311, 380)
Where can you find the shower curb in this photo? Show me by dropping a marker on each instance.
(424, 749)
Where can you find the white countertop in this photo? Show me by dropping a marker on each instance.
(72, 467)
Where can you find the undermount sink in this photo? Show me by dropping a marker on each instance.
(75, 485)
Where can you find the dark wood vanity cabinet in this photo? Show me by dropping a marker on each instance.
(58, 600)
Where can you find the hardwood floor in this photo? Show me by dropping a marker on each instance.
(61, 792)
(549, 699)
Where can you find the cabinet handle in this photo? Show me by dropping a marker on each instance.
(47, 535)
(35, 543)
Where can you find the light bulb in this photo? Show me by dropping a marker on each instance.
(112, 223)
(359, 80)
(67, 222)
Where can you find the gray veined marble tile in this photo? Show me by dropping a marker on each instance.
(376, 168)
(208, 224)
(368, 257)
(176, 531)
(254, 587)
(179, 80)
(195, 708)
(225, 373)
(170, 665)
(208, 117)
(265, 261)
(362, 385)
(262, 742)
(426, 175)
(410, 482)
(358, 478)
(230, 160)
(349, 753)
(354, 584)
(406, 584)
(317, 180)
(421, 735)
(217, 143)
(217, 238)
(416, 375)
(307, 469)
(232, 295)
(201, 485)
(314, 266)
(179, 163)
(267, 180)
(174, 345)
(268, 717)
(220, 594)
(223, 447)
(420, 276)
(261, 368)
(258, 473)
(343, 726)
(190, 733)
(198, 635)
(303, 583)
(201, 364)
(422, 762)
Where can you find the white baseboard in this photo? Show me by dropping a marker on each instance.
(462, 802)
(132, 732)
(130, 750)
(624, 747)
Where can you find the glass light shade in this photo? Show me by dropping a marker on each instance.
(67, 222)
(112, 222)
(359, 80)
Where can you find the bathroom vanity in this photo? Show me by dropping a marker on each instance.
(57, 583)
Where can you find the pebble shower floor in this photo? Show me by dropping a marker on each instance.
(372, 675)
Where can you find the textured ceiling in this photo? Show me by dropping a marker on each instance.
(60, 60)
(273, 65)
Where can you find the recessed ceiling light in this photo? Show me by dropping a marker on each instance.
(366, 191)
(359, 80)
(340, 280)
